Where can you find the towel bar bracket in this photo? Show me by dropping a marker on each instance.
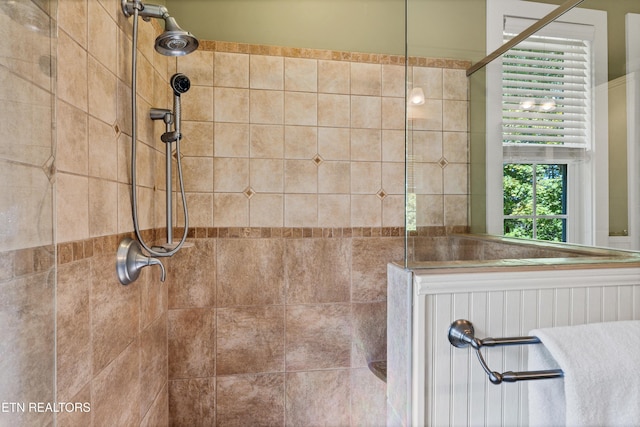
(461, 334)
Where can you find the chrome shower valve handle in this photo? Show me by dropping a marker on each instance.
(130, 261)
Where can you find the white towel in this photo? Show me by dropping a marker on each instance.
(601, 384)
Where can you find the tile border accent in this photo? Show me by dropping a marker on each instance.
(331, 55)
(82, 249)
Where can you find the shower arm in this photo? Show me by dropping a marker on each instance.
(145, 11)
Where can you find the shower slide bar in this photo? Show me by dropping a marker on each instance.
(461, 334)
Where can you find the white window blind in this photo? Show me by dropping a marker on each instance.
(546, 83)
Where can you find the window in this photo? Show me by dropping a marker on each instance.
(541, 125)
(535, 201)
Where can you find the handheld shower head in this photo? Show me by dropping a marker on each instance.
(180, 83)
(174, 41)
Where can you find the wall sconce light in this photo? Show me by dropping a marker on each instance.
(416, 97)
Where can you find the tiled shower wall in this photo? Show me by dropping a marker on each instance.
(294, 171)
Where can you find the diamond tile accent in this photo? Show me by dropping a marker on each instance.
(248, 192)
(116, 129)
(443, 162)
(317, 159)
(381, 194)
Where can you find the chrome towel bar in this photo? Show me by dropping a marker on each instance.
(461, 334)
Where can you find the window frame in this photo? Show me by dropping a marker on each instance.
(587, 179)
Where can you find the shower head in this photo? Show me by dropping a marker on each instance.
(174, 41)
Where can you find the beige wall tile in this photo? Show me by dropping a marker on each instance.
(198, 174)
(192, 346)
(266, 72)
(231, 140)
(102, 35)
(301, 74)
(334, 77)
(72, 17)
(393, 207)
(72, 139)
(428, 178)
(73, 331)
(103, 150)
(366, 211)
(456, 146)
(366, 79)
(231, 105)
(267, 107)
(116, 390)
(366, 112)
(153, 363)
(315, 396)
(455, 85)
(430, 209)
(370, 257)
(230, 174)
(455, 179)
(318, 336)
(198, 66)
(368, 399)
(300, 176)
(430, 116)
(192, 402)
(231, 70)
(366, 177)
(317, 270)
(335, 143)
(200, 207)
(230, 210)
(266, 210)
(102, 86)
(267, 175)
(72, 207)
(300, 210)
(250, 340)
(103, 207)
(251, 400)
(393, 113)
(334, 177)
(300, 142)
(366, 144)
(334, 210)
(393, 145)
(191, 279)
(250, 272)
(455, 210)
(369, 324)
(334, 110)
(196, 104)
(393, 179)
(300, 108)
(197, 138)
(430, 80)
(158, 413)
(393, 80)
(455, 116)
(114, 314)
(72, 72)
(427, 146)
(267, 141)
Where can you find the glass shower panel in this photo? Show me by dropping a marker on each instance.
(27, 255)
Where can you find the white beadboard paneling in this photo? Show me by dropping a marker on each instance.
(454, 388)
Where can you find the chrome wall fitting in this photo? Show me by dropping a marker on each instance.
(130, 261)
